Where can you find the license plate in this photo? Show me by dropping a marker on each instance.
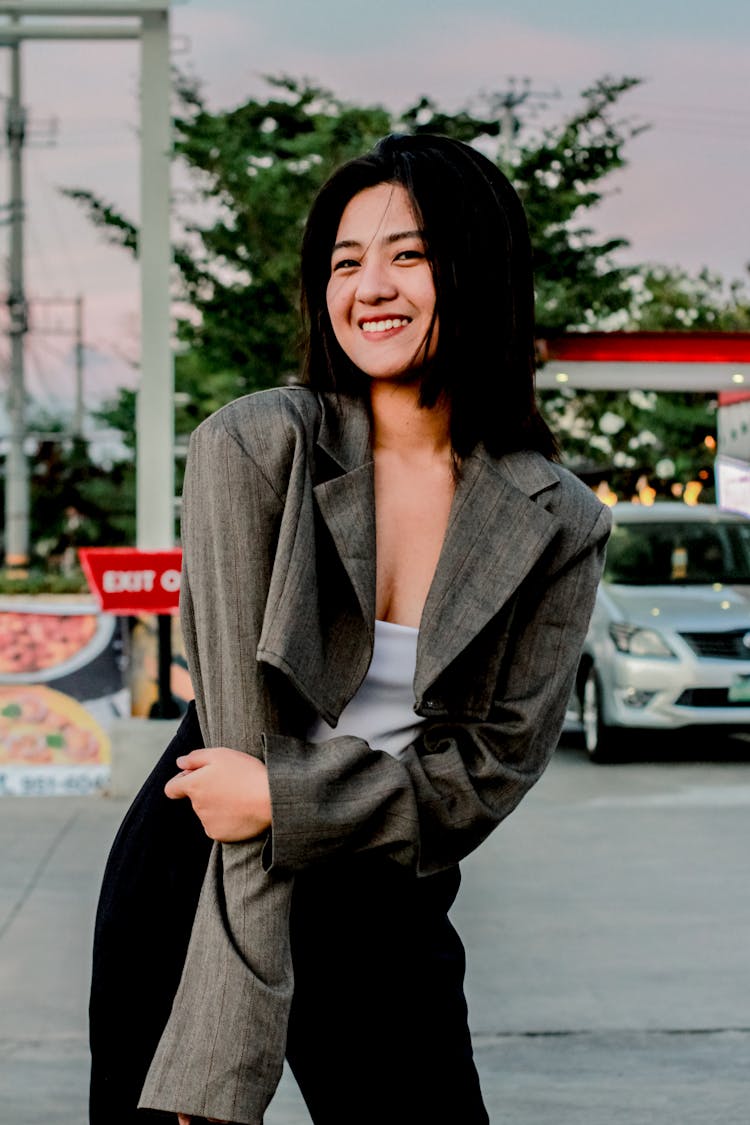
(739, 691)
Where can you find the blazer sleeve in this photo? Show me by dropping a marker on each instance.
(458, 780)
(221, 1053)
(227, 511)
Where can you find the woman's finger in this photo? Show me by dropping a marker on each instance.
(175, 787)
(188, 764)
(195, 759)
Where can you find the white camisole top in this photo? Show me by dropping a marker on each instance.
(382, 710)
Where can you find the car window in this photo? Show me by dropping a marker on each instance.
(659, 554)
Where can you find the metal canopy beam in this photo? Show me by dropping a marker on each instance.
(83, 8)
(11, 35)
(706, 378)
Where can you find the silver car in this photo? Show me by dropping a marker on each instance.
(669, 644)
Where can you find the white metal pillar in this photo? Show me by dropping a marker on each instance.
(155, 405)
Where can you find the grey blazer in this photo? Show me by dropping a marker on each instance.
(278, 606)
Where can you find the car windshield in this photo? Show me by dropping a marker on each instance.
(670, 553)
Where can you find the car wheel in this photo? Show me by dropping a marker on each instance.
(600, 740)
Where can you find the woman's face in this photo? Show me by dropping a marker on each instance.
(381, 294)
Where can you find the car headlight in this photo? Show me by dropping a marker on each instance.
(636, 641)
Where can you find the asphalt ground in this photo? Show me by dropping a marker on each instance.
(607, 926)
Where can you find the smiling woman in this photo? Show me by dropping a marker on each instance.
(381, 295)
(387, 581)
(468, 230)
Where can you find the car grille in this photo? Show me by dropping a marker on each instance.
(708, 697)
(720, 646)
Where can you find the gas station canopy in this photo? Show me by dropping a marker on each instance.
(701, 362)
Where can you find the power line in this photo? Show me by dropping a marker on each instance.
(506, 104)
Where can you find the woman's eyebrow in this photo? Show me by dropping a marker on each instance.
(397, 236)
(346, 244)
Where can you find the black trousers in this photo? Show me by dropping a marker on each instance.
(378, 1024)
(150, 888)
(378, 1030)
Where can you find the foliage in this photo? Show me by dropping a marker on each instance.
(560, 181)
(41, 581)
(632, 438)
(252, 171)
(75, 502)
(665, 298)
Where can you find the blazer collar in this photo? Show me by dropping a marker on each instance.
(496, 533)
(344, 433)
(344, 436)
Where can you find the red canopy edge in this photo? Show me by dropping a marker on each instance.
(648, 347)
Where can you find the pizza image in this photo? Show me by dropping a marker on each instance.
(40, 726)
(33, 642)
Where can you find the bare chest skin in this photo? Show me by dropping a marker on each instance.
(412, 506)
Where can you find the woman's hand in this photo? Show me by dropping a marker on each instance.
(228, 791)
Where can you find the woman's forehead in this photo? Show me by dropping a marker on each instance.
(385, 208)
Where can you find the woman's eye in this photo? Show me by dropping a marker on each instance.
(345, 264)
(409, 255)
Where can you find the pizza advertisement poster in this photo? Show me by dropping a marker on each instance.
(143, 665)
(62, 683)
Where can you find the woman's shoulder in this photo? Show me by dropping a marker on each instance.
(586, 521)
(272, 412)
(582, 515)
(267, 426)
(573, 489)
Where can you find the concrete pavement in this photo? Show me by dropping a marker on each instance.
(607, 926)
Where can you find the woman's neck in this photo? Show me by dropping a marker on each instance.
(400, 425)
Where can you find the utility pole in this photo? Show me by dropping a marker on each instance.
(78, 413)
(506, 104)
(16, 465)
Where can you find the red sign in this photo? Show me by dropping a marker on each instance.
(127, 581)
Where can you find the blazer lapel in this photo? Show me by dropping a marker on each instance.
(313, 630)
(347, 506)
(496, 533)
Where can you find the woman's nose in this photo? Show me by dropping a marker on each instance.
(375, 282)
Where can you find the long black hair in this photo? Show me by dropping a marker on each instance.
(478, 246)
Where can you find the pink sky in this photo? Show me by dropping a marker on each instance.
(681, 201)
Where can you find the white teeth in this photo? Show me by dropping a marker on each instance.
(384, 325)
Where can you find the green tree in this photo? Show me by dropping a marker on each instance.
(561, 180)
(76, 502)
(626, 438)
(669, 297)
(252, 171)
